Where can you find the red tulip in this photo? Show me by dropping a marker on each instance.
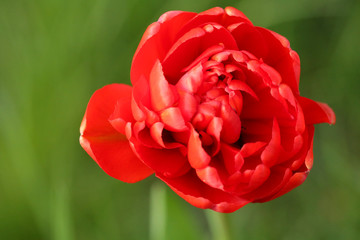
(214, 112)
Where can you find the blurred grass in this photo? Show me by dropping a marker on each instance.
(55, 53)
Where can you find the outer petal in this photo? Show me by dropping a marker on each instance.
(249, 38)
(173, 21)
(278, 178)
(146, 54)
(296, 180)
(225, 17)
(156, 41)
(199, 194)
(101, 106)
(192, 44)
(168, 162)
(213, 15)
(310, 156)
(108, 147)
(316, 112)
(282, 58)
(233, 14)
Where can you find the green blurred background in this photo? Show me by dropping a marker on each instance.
(55, 53)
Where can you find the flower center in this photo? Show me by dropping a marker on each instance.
(216, 84)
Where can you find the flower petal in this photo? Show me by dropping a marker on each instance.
(250, 148)
(234, 15)
(188, 105)
(173, 21)
(156, 41)
(146, 53)
(212, 175)
(231, 125)
(214, 128)
(192, 44)
(213, 15)
(271, 152)
(296, 180)
(101, 106)
(316, 112)
(191, 81)
(107, 146)
(167, 162)
(259, 176)
(232, 157)
(200, 195)
(242, 86)
(173, 119)
(310, 156)
(279, 176)
(198, 157)
(249, 38)
(225, 17)
(162, 95)
(116, 158)
(281, 57)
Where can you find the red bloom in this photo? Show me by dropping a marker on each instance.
(214, 112)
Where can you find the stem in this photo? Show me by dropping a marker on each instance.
(157, 212)
(219, 225)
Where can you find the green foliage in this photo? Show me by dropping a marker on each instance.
(55, 53)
